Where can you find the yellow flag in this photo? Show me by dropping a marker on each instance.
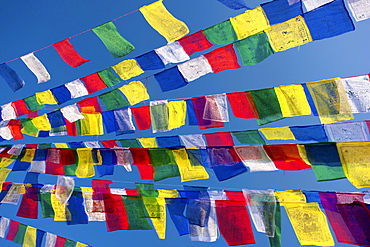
(176, 114)
(61, 212)
(293, 101)
(168, 193)
(135, 92)
(163, 21)
(289, 34)
(331, 100)
(188, 171)
(303, 153)
(250, 22)
(30, 237)
(61, 145)
(78, 244)
(91, 124)
(28, 155)
(128, 69)
(159, 223)
(41, 123)
(85, 165)
(278, 133)
(6, 162)
(355, 159)
(46, 98)
(308, 221)
(148, 142)
(4, 172)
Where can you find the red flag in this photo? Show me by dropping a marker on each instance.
(67, 52)
(15, 127)
(89, 105)
(20, 107)
(194, 42)
(93, 83)
(223, 58)
(286, 157)
(235, 196)
(115, 212)
(71, 128)
(198, 105)
(60, 241)
(29, 204)
(109, 144)
(12, 230)
(240, 105)
(142, 161)
(234, 223)
(219, 139)
(142, 117)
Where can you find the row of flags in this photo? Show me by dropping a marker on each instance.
(201, 212)
(328, 160)
(333, 100)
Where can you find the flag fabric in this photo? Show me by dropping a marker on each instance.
(223, 58)
(195, 68)
(194, 42)
(292, 100)
(170, 79)
(357, 89)
(222, 33)
(69, 55)
(234, 4)
(281, 10)
(359, 9)
(37, 68)
(172, 53)
(11, 77)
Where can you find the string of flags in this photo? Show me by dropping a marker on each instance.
(197, 211)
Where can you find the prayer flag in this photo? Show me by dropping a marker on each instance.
(30, 237)
(150, 61)
(135, 92)
(286, 157)
(347, 132)
(46, 98)
(69, 55)
(255, 158)
(37, 68)
(234, 4)
(360, 9)
(113, 41)
(76, 88)
(335, 17)
(127, 69)
(314, 4)
(123, 120)
(248, 137)
(170, 79)
(358, 89)
(113, 100)
(11, 77)
(108, 77)
(61, 94)
(172, 53)
(89, 105)
(163, 21)
(71, 113)
(188, 170)
(93, 83)
(91, 124)
(250, 22)
(279, 11)
(223, 58)
(314, 133)
(216, 108)
(159, 116)
(199, 105)
(195, 68)
(20, 107)
(289, 34)
(176, 114)
(142, 117)
(222, 33)
(219, 139)
(292, 100)
(194, 42)
(278, 133)
(240, 105)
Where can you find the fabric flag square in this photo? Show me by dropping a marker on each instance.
(255, 158)
(199, 105)
(347, 132)
(4, 224)
(279, 11)
(358, 90)
(32, 103)
(195, 68)
(289, 34)
(254, 49)
(113, 100)
(41, 123)
(159, 116)
(216, 108)
(360, 9)
(170, 79)
(11, 77)
(278, 133)
(93, 83)
(325, 161)
(46, 98)
(226, 163)
(149, 61)
(292, 100)
(222, 33)
(15, 127)
(234, 4)
(267, 105)
(355, 158)
(223, 58)
(188, 170)
(128, 69)
(71, 113)
(330, 100)
(142, 117)
(20, 107)
(7, 112)
(61, 94)
(234, 222)
(172, 53)
(314, 4)
(176, 114)
(194, 42)
(195, 140)
(123, 120)
(56, 119)
(248, 137)
(108, 77)
(69, 55)
(89, 105)
(37, 68)
(91, 124)
(250, 22)
(176, 207)
(286, 157)
(329, 20)
(309, 133)
(169, 141)
(163, 21)
(219, 139)
(240, 105)
(113, 41)
(77, 89)
(148, 142)
(309, 223)
(135, 92)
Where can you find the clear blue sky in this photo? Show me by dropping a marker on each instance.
(30, 25)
